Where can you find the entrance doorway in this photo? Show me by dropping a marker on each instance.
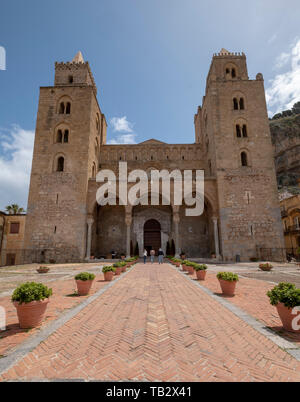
(152, 235)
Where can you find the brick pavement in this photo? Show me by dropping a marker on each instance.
(251, 296)
(64, 298)
(154, 324)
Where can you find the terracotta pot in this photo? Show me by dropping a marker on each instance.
(118, 270)
(184, 267)
(201, 273)
(43, 271)
(108, 276)
(124, 268)
(177, 264)
(190, 270)
(265, 268)
(83, 287)
(286, 317)
(31, 314)
(228, 287)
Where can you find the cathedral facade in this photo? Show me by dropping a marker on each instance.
(241, 216)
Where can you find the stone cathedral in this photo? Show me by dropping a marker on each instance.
(232, 145)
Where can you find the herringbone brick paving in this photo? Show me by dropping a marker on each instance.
(154, 324)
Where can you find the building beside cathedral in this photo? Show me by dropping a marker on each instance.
(232, 145)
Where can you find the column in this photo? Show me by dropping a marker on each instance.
(216, 237)
(128, 221)
(176, 220)
(89, 222)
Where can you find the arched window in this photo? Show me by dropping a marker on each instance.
(94, 171)
(244, 159)
(66, 136)
(242, 107)
(59, 136)
(238, 131)
(71, 79)
(62, 108)
(235, 104)
(244, 130)
(60, 164)
(233, 73)
(68, 108)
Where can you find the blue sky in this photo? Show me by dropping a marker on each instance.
(149, 58)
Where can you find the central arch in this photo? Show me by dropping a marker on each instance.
(152, 235)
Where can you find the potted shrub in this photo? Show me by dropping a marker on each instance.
(200, 271)
(43, 270)
(31, 300)
(118, 266)
(108, 272)
(228, 282)
(84, 281)
(285, 296)
(182, 255)
(265, 266)
(123, 256)
(188, 266)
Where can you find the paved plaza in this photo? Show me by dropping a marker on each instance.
(155, 323)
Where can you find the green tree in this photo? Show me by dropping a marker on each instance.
(14, 209)
(296, 108)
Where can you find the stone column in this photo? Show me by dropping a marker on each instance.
(89, 222)
(216, 237)
(176, 220)
(128, 221)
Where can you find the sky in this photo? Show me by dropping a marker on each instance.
(149, 58)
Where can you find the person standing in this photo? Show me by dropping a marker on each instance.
(145, 256)
(160, 256)
(152, 254)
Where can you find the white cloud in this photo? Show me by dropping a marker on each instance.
(272, 39)
(121, 125)
(16, 147)
(125, 129)
(284, 89)
(123, 139)
(282, 60)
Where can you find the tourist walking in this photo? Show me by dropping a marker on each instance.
(160, 256)
(152, 254)
(145, 256)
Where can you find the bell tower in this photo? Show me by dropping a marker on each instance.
(70, 130)
(234, 129)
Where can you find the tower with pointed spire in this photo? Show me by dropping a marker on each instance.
(70, 130)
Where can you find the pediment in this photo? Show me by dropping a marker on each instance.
(152, 141)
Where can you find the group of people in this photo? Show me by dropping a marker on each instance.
(152, 255)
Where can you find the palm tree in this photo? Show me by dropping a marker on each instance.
(14, 209)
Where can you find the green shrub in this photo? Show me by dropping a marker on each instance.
(187, 263)
(120, 264)
(84, 276)
(31, 291)
(228, 276)
(285, 293)
(265, 265)
(108, 268)
(200, 267)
